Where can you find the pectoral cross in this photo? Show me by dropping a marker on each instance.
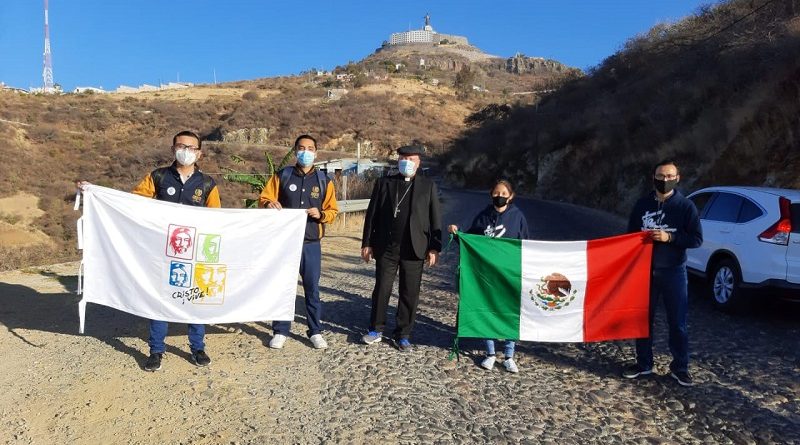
(400, 201)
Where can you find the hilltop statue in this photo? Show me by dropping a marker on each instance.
(427, 19)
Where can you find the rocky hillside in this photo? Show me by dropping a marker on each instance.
(467, 66)
(718, 91)
(47, 142)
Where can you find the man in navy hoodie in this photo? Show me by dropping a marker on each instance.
(674, 226)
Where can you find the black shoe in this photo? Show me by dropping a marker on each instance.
(682, 377)
(200, 358)
(153, 362)
(635, 371)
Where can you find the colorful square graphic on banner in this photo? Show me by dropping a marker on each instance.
(210, 279)
(180, 274)
(208, 247)
(180, 241)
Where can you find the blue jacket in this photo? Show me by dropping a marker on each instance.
(302, 191)
(509, 224)
(678, 216)
(165, 184)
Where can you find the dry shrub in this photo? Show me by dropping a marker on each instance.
(10, 218)
(346, 223)
(14, 257)
(358, 186)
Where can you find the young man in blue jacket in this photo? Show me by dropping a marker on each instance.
(673, 224)
(302, 186)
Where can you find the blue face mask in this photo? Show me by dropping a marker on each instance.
(305, 158)
(406, 168)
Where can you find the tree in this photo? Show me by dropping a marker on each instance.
(465, 79)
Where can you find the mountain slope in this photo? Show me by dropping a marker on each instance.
(48, 142)
(718, 91)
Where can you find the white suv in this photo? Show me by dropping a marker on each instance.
(751, 239)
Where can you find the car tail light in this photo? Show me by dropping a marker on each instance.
(778, 233)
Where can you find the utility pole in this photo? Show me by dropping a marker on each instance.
(358, 158)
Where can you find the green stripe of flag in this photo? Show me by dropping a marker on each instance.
(490, 287)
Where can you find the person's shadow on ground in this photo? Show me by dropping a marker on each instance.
(26, 309)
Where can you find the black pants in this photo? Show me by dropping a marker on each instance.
(387, 263)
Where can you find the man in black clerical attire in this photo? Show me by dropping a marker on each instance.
(402, 229)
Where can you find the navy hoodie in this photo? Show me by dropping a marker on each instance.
(678, 216)
(509, 224)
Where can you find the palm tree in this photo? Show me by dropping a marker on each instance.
(256, 181)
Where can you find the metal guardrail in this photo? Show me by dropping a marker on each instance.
(353, 205)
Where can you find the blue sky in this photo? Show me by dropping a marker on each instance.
(112, 42)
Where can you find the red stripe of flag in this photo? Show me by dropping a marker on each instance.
(618, 288)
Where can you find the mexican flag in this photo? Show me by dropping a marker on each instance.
(575, 291)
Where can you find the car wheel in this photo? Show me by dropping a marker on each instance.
(725, 285)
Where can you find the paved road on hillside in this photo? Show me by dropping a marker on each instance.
(60, 387)
(548, 220)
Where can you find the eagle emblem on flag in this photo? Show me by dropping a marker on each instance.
(553, 292)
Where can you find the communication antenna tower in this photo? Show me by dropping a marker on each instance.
(47, 74)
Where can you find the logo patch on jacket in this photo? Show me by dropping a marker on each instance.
(315, 192)
(495, 232)
(198, 195)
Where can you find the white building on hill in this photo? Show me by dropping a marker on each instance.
(425, 35)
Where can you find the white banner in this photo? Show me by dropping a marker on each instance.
(179, 263)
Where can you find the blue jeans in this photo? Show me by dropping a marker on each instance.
(158, 332)
(670, 286)
(508, 351)
(310, 270)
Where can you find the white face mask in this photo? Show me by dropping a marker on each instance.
(185, 157)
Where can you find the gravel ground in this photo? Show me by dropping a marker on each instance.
(57, 386)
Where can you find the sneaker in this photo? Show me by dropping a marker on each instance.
(277, 341)
(403, 345)
(200, 358)
(682, 377)
(510, 366)
(372, 337)
(488, 362)
(635, 371)
(318, 341)
(153, 362)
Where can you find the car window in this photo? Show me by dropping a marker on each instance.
(749, 211)
(700, 201)
(725, 208)
(795, 209)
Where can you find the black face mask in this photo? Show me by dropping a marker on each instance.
(663, 186)
(499, 201)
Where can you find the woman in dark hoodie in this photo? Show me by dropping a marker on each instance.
(501, 219)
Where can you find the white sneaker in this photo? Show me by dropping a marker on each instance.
(277, 341)
(488, 362)
(511, 366)
(371, 337)
(318, 341)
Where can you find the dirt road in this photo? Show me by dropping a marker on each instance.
(57, 386)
